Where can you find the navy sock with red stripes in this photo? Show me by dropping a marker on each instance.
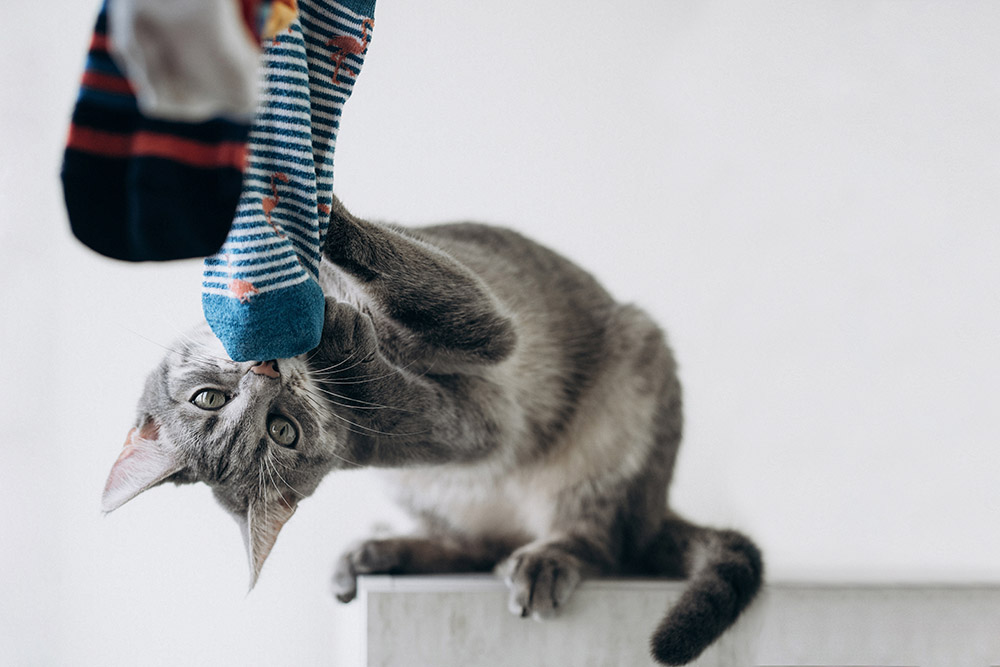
(138, 188)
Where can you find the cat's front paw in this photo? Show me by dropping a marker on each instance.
(540, 579)
(369, 557)
(348, 341)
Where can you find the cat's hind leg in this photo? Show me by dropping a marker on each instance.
(410, 555)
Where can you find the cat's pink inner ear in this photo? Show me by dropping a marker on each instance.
(143, 462)
(149, 431)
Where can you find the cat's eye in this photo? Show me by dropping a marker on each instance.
(282, 431)
(209, 399)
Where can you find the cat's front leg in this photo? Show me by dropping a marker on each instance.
(348, 367)
(348, 344)
(408, 555)
(393, 416)
(542, 575)
(437, 305)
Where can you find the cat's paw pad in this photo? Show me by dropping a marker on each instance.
(540, 580)
(369, 557)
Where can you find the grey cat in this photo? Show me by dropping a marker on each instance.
(527, 420)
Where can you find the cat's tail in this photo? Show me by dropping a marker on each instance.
(725, 571)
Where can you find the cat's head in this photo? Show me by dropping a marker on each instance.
(257, 433)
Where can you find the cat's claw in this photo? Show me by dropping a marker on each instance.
(541, 581)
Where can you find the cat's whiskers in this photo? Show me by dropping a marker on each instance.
(365, 405)
(321, 407)
(372, 431)
(360, 379)
(327, 371)
(356, 407)
(312, 353)
(346, 460)
(199, 346)
(206, 360)
(168, 348)
(266, 467)
(262, 492)
(337, 365)
(313, 401)
(272, 465)
(190, 351)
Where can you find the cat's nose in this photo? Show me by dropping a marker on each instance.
(268, 368)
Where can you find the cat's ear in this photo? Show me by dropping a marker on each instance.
(144, 462)
(261, 526)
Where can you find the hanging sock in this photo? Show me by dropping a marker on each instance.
(260, 292)
(158, 178)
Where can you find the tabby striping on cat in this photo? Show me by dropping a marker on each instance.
(528, 421)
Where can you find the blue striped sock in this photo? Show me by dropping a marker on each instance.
(260, 292)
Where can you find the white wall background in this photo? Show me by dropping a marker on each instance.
(804, 193)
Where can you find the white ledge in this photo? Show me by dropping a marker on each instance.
(443, 621)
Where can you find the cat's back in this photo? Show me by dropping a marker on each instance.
(574, 339)
(583, 393)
